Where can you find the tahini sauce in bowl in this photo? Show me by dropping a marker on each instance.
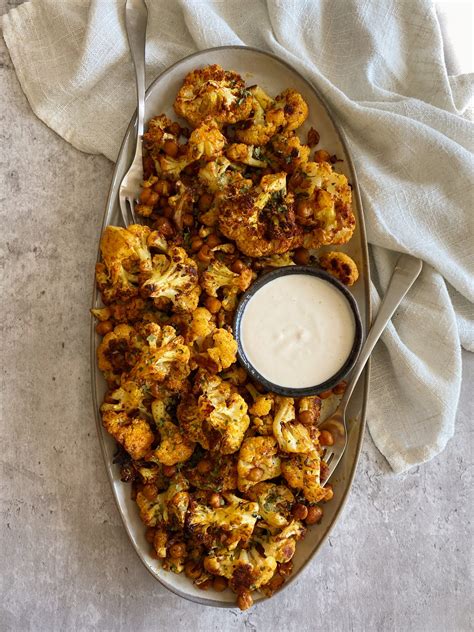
(298, 330)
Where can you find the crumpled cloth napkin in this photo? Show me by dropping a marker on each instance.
(380, 65)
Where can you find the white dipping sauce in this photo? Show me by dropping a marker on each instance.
(297, 331)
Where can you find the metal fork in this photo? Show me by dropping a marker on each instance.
(136, 17)
(406, 271)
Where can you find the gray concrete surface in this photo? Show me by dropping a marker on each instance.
(399, 559)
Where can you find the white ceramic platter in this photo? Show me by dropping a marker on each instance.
(273, 75)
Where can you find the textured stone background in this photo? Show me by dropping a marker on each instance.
(399, 559)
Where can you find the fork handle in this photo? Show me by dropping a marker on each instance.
(136, 17)
(405, 273)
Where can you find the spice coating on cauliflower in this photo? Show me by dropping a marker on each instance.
(215, 92)
(341, 266)
(258, 461)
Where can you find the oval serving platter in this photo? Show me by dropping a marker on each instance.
(273, 75)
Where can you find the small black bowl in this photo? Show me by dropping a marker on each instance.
(308, 390)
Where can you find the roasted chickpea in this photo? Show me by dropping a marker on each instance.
(188, 220)
(325, 394)
(306, 417)
(215, 500)
(104, 328)
(238, 266)
(213, 240)
(340, 388)
(219, 583)
(149, 197)
(171, 148)
(313, 137)
(192, 570)
(169, 470)
(326, 438)
(205, 254)
(285, 569)
(162, 187)
(177, 550)
(299, 511)
(205, 202)
(165, 227)
(204, 466)
(303, 209)
(213, 304)
(315, 514)
(321, 155)
(301, 256)
(150, 534)
(196, 243)
(205, 585)
(244, 600)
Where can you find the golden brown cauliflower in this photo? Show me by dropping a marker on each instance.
(133, 433)
(224, 412)
(231, 524)
(219, 277)
(340, 265)
(282, 545)
(222, 352)
(295, 109)
(174, 277)
(245, 154)
(118, 352)
(247, 569)
(274, 501)
(292, 435)
(168, 507)
(206, 141)
(286, 152)
(174, 446)
(262, 220)
(264, 120)
(215, 92)
(302, 472)
(258, 461)
(323, 205)
(163, 358)
(124, 254)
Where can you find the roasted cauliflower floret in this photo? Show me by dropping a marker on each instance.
(245, 154)
(169, 507)
(258, 461)
(128, 398)
(281, 546)
(206, 141)
(222, 474)
(174, 277)
(213, 91)
(133, 433)
(274, 501)
(175, 446)
(302, 472)
(292, 436)
(287, 153)
(295, 109)
(223, 351)
(118, 352)
(262, 405)
(262, 220)
(340, 265)
(159, 130)
(246, 569)
(201, 326)
(309, 177)
(122, 253)
(192, 421)
(231, 524)
(264, 120)
(225, 412)
(219, 277)
(213, 174)
(163, 358)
